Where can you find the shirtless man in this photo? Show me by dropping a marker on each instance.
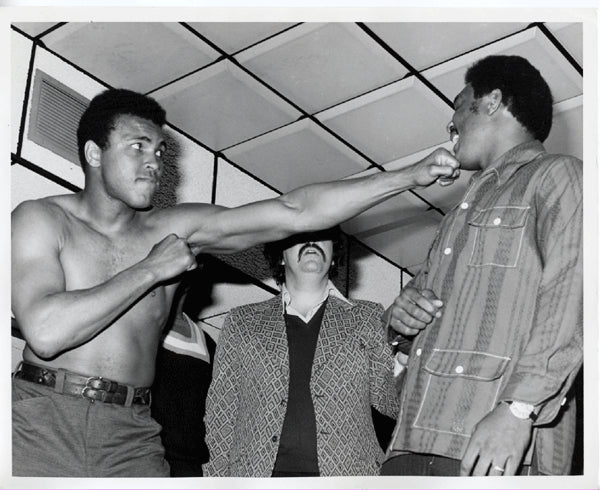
(93, 277)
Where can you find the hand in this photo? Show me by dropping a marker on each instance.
(439, 165)
(413, 310)
(499, 440)
(170, 257)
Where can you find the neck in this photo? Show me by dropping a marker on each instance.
(306, 292)
(505, 140)
(103, 211)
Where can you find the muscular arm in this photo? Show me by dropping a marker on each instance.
(312, 207)
(51, 318)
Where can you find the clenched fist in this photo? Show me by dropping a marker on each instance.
(439, 165)
(169, 258)
(413, 310)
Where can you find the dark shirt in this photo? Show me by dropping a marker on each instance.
(297, 451)
(178, 403)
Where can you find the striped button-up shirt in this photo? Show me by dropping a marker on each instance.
(507, 263)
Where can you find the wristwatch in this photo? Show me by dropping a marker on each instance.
(522, 410)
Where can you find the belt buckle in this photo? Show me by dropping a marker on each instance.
(95, 386)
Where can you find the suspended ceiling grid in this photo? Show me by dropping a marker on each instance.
(297, 103)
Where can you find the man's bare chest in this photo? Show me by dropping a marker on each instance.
(89, 258)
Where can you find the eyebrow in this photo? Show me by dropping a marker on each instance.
(147, 140)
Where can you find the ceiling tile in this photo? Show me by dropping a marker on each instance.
(298, 154)
(408, 243)
(232, 37)
(563, 79)
(320, 65)
(34, 28)
(567, 128)
(391, 122)
(570, 36)
(139, 56)
(372, 277)
(222, 105)
(396, 212)
(424, 44)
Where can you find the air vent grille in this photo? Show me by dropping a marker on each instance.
(56, 110)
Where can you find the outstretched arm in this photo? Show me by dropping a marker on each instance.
(312, 207)
(53, 319)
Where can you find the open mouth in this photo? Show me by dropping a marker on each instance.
(454, 136)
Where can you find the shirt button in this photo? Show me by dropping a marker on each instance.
(419, 352)
(459, 369)
(447, 251)
(274, 438)
(464, 205)
(497, 221)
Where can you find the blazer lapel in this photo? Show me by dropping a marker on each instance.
(337, 325)
(270, 329)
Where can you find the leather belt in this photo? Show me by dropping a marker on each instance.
(93, 388)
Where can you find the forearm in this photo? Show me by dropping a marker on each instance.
(63, 320)
(326, 204)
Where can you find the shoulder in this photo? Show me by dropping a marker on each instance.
(46, 216)
(555, 165)
(261, 306)
(366, 307)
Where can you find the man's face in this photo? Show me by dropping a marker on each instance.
(131, 164)
(308, 258)
(467, 130)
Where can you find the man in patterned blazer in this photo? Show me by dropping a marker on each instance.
(487, 386)
(295, 377)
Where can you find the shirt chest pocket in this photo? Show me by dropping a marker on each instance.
(498, 236)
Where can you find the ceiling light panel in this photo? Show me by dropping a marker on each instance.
(298, 154)
(424, 44)
(320, 65)
(232, 37)
(532, 44)
(222, 105)
(392, 122)
(138, 56)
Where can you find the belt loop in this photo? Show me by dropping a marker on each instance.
(130, 395)
(60, 381)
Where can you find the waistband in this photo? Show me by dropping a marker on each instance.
(93, 388)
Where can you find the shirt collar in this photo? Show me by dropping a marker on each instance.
(330, 290)
(508, 163)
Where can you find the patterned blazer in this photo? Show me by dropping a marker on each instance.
(247, 400)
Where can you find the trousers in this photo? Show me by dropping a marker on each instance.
(56, 435)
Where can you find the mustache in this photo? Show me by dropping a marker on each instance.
(310, 245)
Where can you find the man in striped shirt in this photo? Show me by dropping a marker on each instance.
(497, 305)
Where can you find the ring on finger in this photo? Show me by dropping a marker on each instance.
(497, 468)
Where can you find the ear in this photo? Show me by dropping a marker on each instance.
(493, 101)
(92, 153)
